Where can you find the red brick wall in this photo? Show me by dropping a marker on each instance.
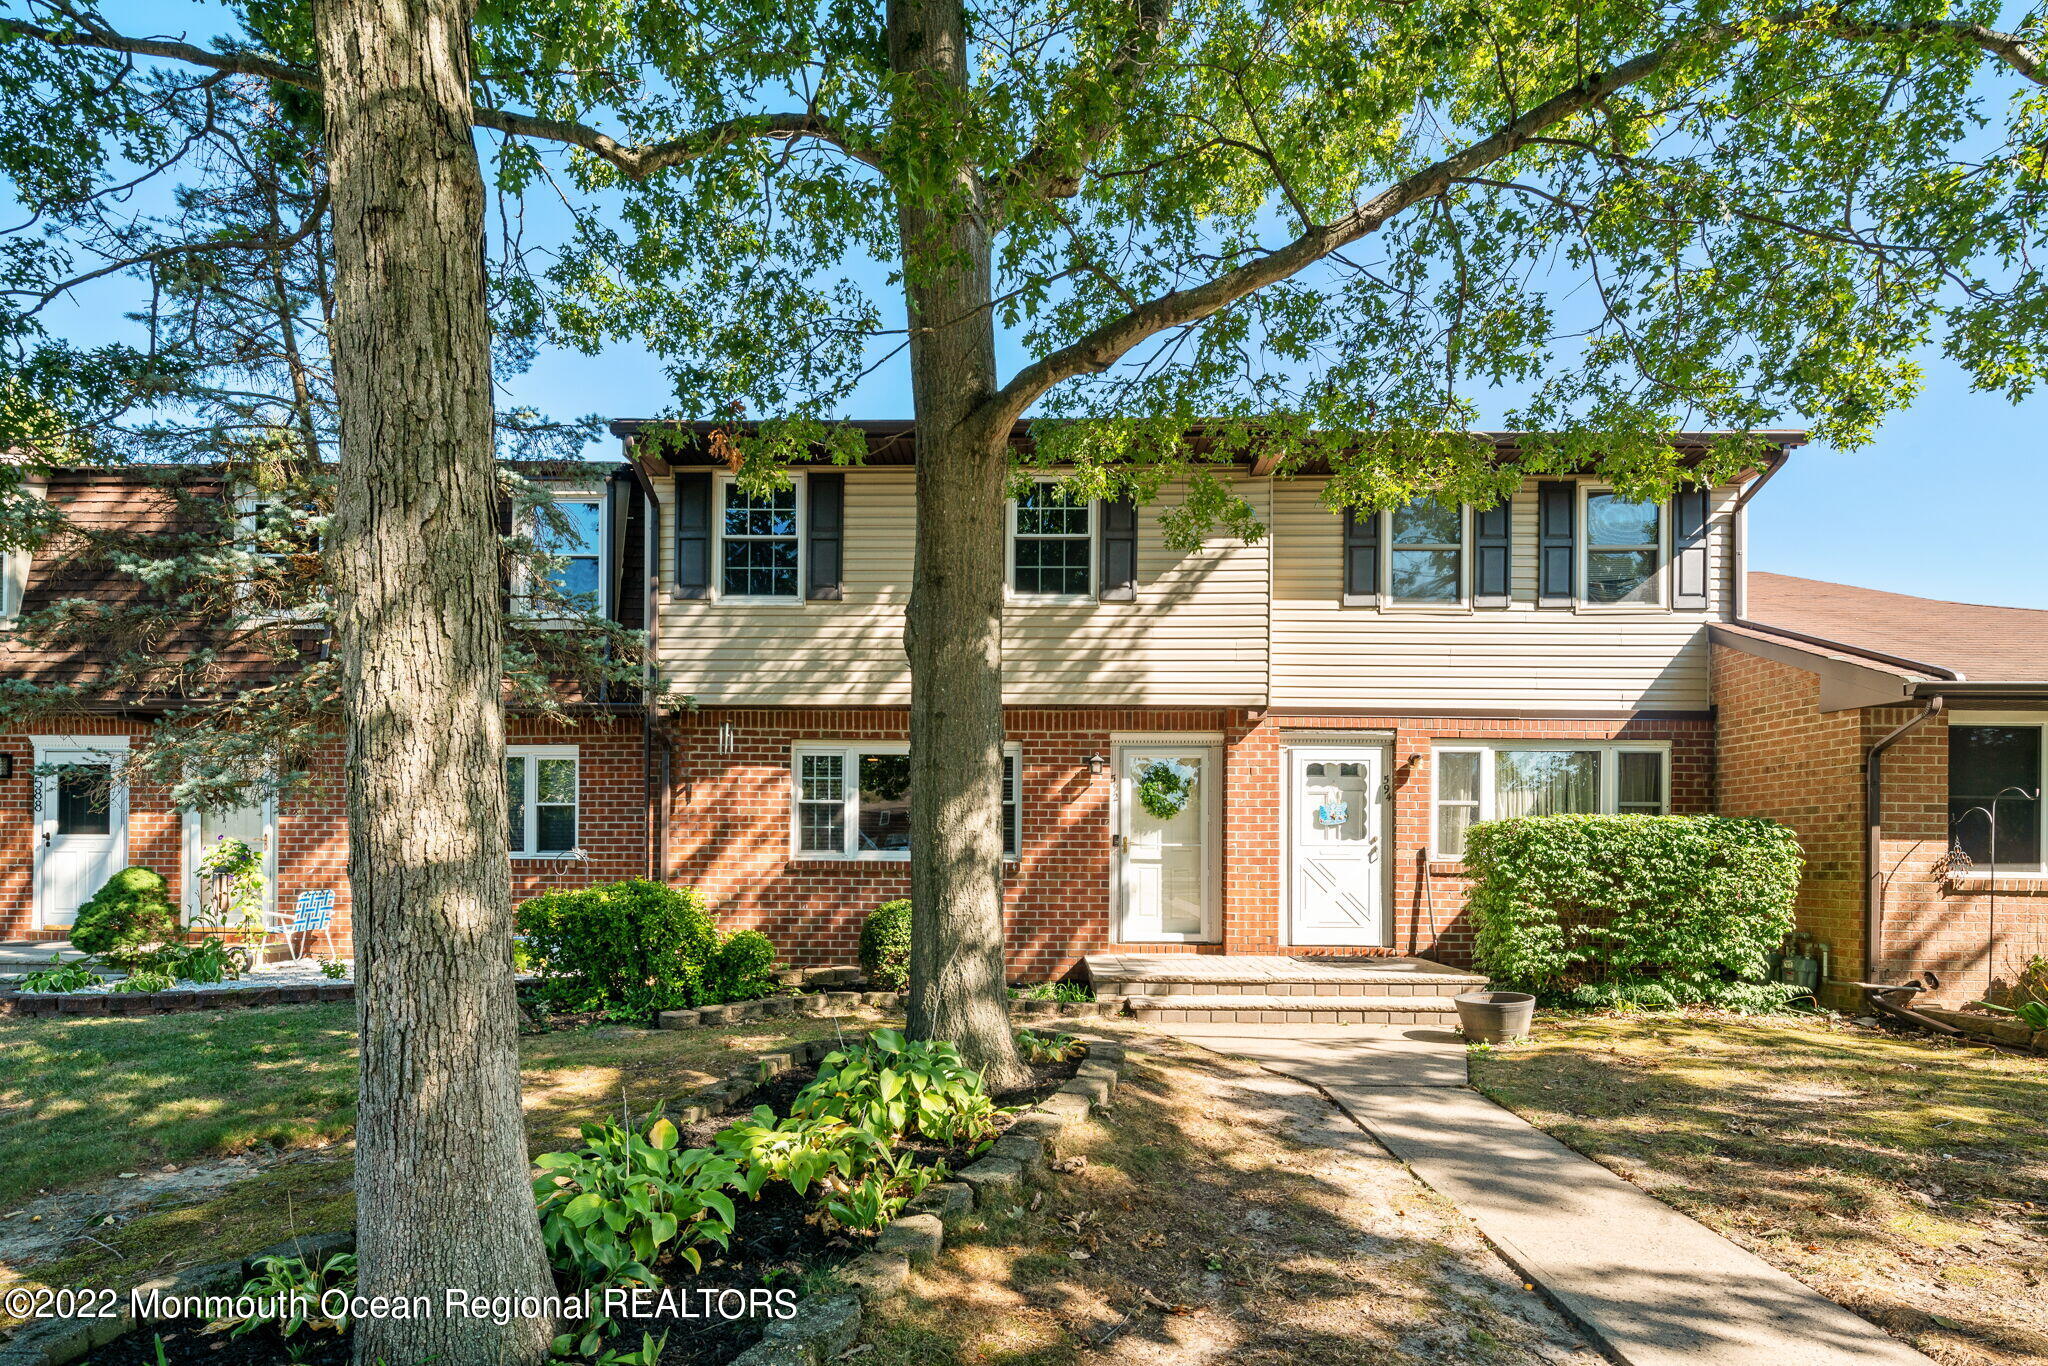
(312, 832)
(730, 833)
(1781, 757)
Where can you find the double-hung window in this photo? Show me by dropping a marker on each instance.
(1492, 782)
(853, 801)
(574, 538)
(1624, 550)
(1052, 543)
(1995, 810)
(1426, 553)
(760, 549)
(541, 788)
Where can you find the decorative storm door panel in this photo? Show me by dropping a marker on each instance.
(82, 831)
(204, 831)
(1166, 803)
(1335, 824)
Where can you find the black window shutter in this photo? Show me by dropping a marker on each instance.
(1492, 561)
(1689, 550)
(1361, 558)
(1119, 532)
(825, 548)
(619, 493)
(1557, 551)
(693, 534)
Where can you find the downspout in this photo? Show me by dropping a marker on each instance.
(1881, 995)
(654, 828)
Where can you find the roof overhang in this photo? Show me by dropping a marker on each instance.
(1849, 681)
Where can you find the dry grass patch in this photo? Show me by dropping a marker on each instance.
(1905, 1178)
(1224, 1214)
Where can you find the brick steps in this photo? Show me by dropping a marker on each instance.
(1263, 1008)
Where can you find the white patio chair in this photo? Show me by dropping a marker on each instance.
(315, 912)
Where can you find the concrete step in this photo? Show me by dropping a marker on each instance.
(1249, 1008)
(1140, 976)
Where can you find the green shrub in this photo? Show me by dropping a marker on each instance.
(891, 1086)
(628, 949)
(1634, 910)
(885, 945)
(738, 970)
(624, 1201)
(60, 976)
(132, 910)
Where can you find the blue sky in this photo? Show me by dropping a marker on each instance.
(1950, 500)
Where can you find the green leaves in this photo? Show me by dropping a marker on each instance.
(1664, 910)
(611, 1211)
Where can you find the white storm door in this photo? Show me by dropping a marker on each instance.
(1165, 864)
(253, 825)
(1336, 879)
(81, 830)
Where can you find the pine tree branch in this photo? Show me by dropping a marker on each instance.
(1103, 346)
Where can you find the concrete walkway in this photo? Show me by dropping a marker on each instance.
(1650, 1286)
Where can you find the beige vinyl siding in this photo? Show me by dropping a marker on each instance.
(1520, 657)
(1196, 636)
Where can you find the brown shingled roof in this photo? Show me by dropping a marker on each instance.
(1983, 644)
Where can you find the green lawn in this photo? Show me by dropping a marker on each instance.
(1906, 1178)
(84, 1100)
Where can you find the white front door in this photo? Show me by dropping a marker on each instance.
(1336, 880)
(81, 829)
(206, 829)
(1165, 866)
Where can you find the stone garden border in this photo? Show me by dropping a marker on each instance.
(1998, 1029)
(34, 1004)
(820, 1330)
(824, 1328)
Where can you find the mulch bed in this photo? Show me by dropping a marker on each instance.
(775, 1244)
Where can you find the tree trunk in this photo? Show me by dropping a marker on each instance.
(954, 629)
(441, 1163)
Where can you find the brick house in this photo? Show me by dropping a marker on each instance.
(1903, 739)
(1338, 702)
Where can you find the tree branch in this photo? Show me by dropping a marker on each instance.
(1106, 344)
(1046, 168)
(637, 162)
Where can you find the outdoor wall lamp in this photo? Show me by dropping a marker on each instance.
(1097, 765)
(6, 767)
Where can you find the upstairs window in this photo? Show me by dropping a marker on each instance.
(853, 801)
(1994, 794)
(1493, 782)
(1052, 543)
(541, 788)
(1426, 558)
(760, 552)
(578, 547)
(1624, 550)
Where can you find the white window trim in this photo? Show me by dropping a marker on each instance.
(529, 819)
(719, 485)
(247, 503)
(1094, 539)
(2035, 720)
(14, 571)
(1610, 777)
(1389, 602)
(849, 752)
(573, 493)
(1583, 550)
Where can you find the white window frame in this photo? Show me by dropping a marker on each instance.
(1464, 548)
(848, 752)
(603, 503)
(801, 492)
(1093, 538)
(1660, 577)
(2033, 720)
(14, 569)
(248, 504)
(1610, 777)
(529, 819)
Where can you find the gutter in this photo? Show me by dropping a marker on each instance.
(1886, 998)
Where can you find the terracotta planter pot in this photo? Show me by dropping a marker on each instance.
(1495, 1016)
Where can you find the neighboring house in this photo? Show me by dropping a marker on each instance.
(1903, 739)
(580, 806)
(1346, 696)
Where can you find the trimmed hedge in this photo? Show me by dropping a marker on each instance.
(885, 945)
(629, 949)
(132, 911)
(1634, 910)
(739, 969)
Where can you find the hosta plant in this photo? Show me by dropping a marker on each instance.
(291, 1289)
(871, 1203)
(60, 976)
(1048, 1047)
(891, 1086)
(801, 1149)
(622, 1202)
